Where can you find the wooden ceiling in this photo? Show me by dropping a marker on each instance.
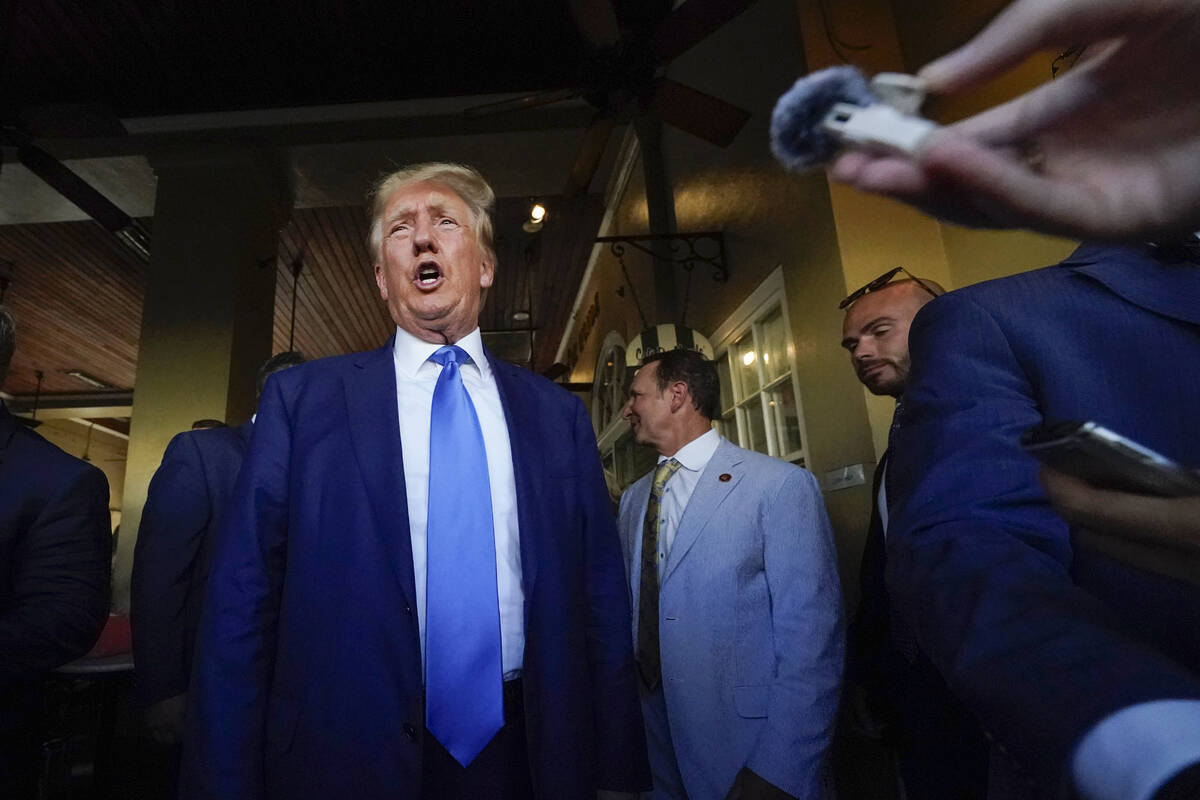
(77, 294)
(338, 309)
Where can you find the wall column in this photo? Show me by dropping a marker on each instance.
(208, 316)
(874, 234)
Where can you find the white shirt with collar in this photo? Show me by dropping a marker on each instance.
(693, 458)
(416, 377)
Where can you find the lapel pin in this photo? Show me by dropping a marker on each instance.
(725, 477)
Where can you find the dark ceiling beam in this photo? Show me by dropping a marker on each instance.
(72, 404)
(289, 134)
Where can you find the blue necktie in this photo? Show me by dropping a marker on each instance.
(464, 705)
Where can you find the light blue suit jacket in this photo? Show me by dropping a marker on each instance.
(750, 624)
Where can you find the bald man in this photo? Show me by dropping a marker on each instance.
(940, 751)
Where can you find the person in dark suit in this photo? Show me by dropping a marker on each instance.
(418, 589)
(1083, 669)
(940, 751)
(171, 560)
(54, 575)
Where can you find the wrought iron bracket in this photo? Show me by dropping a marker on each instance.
(687, 250)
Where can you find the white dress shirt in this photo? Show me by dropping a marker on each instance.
(416, 377)
(1131, 753)
(693, 458)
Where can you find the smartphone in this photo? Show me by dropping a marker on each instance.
(1108, 460)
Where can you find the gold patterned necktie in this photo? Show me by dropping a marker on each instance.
(649, 662)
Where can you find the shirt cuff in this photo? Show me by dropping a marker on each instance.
(1131, 753)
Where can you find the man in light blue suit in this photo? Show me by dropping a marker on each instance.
(738, 619)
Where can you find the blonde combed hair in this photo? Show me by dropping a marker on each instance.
(464, 181)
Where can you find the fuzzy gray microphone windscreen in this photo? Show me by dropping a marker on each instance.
(797, 138)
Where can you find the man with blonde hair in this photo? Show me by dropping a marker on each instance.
(418, 590)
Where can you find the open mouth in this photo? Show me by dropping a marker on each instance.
(429, 275)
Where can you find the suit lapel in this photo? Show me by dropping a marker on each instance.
(524, 441)
(710, 492)
(375, 434)
(1170, 289)
(632, 536)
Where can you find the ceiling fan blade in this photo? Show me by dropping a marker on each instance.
(692, 22)
(517, 103)
(587, 160)
(73, 188)
(597, 22)
(702, 115)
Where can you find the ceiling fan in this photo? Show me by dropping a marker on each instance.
(621, 77)
(75, 120)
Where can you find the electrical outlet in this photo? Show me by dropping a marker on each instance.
(845, 477)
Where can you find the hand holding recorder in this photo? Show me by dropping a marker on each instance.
(1106, 150)
(1123, 498)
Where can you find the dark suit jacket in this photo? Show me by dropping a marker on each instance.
(308, 678)
(942, 754)
(1041, 640)
(186, 500)
(55, 559)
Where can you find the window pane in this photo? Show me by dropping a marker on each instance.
(782, 402)
(774, 344)
(746, 365)
(727, 427)
(726, 387)
(756, 427)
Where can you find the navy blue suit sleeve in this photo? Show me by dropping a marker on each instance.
(620, 737)
(235, 652)
(60, 571)
(979, 564)
(174, 520)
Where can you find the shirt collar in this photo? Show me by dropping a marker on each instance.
(696, 454)
(411, 353)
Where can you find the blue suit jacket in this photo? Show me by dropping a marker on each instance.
(308, 680)
(171, 560)
(1041, 640)
(750, 624)
(55, 559)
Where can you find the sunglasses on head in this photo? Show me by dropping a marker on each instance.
(882, 281)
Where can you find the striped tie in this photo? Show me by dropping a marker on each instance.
(649, 661)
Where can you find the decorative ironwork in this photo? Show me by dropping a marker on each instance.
(687, 250)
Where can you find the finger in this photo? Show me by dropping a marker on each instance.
(879, 174)
(1016, 195)
(1136, 516)
(847, 166)
(1034, 111)
(1022, 29)
(906, 181)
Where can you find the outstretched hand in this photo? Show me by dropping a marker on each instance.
(1161, 534)
(1107, 150)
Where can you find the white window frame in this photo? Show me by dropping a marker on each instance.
(602, 426)
(768, 296)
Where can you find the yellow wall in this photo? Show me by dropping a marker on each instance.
(828, 239)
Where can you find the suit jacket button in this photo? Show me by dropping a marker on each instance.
(410, 732)
(408, 609)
